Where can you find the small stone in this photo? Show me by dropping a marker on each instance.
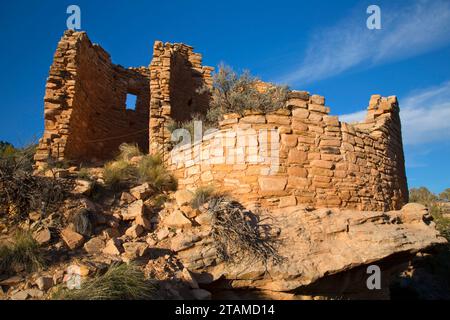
(162, 234)
(177, 220)
(42, 236)
(135, 249)
(141, 192)
(189, 211)
(126, 198)
(151, 242)
(143, 221)
(35, 293)
(135, 209)
(95, 245)
(134, 231)
(21, 295)
(72, 239)
(204, 219)
(183, 197)
(82, 187)
(44, 283)
(110, 233)
(113, 247)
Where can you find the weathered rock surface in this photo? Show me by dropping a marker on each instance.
(317, 244)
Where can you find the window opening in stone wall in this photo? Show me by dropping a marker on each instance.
(131, 102)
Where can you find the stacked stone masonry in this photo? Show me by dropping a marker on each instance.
(297, 155)
(321, 161)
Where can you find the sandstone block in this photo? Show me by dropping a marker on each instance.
(300, 113)
(296, 157)
(272, 183)
(72, 239)
(322, 164)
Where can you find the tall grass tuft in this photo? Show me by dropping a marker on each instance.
(117, 173)
(202, 195)
(128, 151)
(120, 282)
(22, 254)
(151, 169)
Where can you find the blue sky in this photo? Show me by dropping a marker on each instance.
(320, 46)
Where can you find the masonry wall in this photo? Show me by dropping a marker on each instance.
(176, 75)
(322, 162)
(84, 105)
(297, 155)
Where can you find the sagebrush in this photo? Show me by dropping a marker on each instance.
(236, 93)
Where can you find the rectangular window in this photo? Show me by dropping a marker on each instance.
(131, 101)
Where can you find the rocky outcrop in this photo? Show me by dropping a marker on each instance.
(318, 244)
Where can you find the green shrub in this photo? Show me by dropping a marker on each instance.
(442, 223)
(422, 195)
(445, 195)
(7, 149)
(120, 282)
(118, 173)
(233, 93)
(23, 253)
(151, 169)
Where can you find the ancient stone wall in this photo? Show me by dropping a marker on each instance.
(176, 75)
(298, 154)
(302, 155)
(85, 113)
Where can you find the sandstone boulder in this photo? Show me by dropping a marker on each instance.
(318, 244)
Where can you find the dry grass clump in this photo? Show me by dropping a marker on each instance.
(22, 254)
(118, 173)
(120, 282)
(128, 151)
(239, 235)
(151, 169)
(202, 195)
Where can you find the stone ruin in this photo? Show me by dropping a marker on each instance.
(321, 161)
